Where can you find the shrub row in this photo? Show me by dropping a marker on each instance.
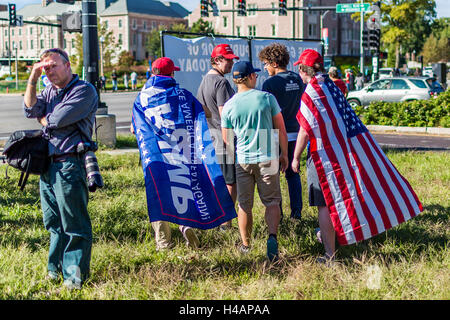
(434, 112)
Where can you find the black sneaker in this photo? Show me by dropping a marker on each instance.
(272, 249)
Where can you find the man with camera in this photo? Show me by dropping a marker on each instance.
(66, 110)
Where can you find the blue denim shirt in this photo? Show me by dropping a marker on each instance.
(70, 114)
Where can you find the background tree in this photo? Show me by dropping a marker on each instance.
(436, 47)
(109, 49)
(406, 25)
(154, 39)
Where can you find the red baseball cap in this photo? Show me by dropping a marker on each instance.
(309, 57)
(223, 50)
(165, 65)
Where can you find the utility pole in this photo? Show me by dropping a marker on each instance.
(361, 47)
(104, 121)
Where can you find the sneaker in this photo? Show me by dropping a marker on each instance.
(272, 249)
(326, 260)
(71, 285)
(318, 234)
(52, 276)
(244, 249)
(190, 236)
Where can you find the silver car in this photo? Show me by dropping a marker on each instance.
(397, 89)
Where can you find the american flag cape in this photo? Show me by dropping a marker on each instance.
(364, 192)
(184, 183)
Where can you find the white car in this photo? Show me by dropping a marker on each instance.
(396, 89)
(385, 73)
(427, 71)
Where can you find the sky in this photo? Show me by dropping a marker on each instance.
(442, 6)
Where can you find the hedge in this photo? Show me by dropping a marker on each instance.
(419, 113)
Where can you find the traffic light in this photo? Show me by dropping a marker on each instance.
(12, 14)
(282, 8)
(242, 8)
(365, 40)
(374, 39)
(204, 8)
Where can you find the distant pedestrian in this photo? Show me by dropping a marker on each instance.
(134, 77)
(287, 87)
(114, 80)
(103, 82)
(125, 80)
(254, 116)
(148, 74)
(351, 81)
(334, 75)
(359, 81)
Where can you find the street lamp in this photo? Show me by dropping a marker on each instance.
(322, 16)
(102, 40)
(17, 68)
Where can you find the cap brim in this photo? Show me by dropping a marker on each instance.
(296, 63)
(230, 56)
(256, 70)
(175, 68)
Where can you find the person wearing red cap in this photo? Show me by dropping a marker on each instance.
(213, 92)
(310, 65)
(163, 71)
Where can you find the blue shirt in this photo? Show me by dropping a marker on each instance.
(70, 114)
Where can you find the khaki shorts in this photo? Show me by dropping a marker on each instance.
(266, 176)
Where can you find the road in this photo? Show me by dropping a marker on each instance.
(120, 104)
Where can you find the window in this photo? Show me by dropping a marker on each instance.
(12, 32)
(73, 43)
(106, 24)
(399, 84)
(145, 24)
(154, 25)
(134, 24)
(238, 31)
(312, 30)
(42, 43)
(31, 44)
(251, 6)
(419, 83)
(52, 42)
(31, 30)
(42, 30)
(120, 39)
(20, 31)
(120, 23)
(333, 33)
(65, 44)
(274, 12)
(380, 85)
(252, 31)
(225, 2)
(225, 22)
(274, 30)
(20, 45)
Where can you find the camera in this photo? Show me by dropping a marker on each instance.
(93, 176)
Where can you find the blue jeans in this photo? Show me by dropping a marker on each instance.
(294, 184)
(64, 199)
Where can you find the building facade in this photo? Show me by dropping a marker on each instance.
(343, 32)
(129, 20)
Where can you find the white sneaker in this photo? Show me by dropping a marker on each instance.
(71, 285)
(190, 236)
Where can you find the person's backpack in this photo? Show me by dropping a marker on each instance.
(27, 150)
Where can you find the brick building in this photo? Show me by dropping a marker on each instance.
(130, 21)
(344, 33)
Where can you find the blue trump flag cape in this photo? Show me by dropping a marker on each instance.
(183, 181)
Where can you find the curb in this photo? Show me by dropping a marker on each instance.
(421, 130)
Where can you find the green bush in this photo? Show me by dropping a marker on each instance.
(420, 113)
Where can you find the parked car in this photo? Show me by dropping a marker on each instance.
(427, 71)
(396, 89)
(385, 73)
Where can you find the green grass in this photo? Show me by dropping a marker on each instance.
(412, 259)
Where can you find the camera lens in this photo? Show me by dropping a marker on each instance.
(94, 178)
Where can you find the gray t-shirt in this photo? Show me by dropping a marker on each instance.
(214, 91)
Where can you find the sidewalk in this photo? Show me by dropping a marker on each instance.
(412, 130)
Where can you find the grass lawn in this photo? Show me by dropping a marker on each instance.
(410, 261)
